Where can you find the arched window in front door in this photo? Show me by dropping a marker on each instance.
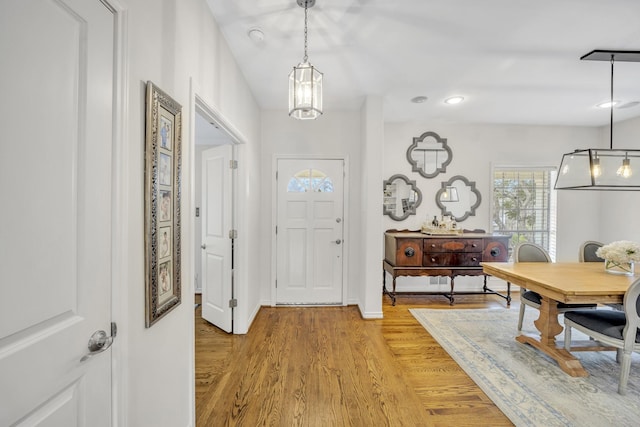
(310, 180)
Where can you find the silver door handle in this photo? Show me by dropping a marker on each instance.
(338, 241)
(100, 342)
(203, 246)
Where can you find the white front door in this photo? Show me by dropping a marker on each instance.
(56, 217)
(309, 235)
(217, 190)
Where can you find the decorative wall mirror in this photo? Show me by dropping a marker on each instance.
(429, 154)
(458, 197)
(401, 197)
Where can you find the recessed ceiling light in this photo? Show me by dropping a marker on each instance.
(608, 104)
(256, 35)
(419, 99)
(454, 100)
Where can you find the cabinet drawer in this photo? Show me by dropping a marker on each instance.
(452, 245)
(452, 259)
(404, 252)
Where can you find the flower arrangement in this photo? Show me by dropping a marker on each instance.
(621, 254)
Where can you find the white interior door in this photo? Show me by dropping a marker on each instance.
(309, 235)
(56, 217)
(217, 275)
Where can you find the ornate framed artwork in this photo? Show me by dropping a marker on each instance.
(163, 143)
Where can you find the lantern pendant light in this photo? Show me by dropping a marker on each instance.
(305, 81)
(600, 168)
(450, 194)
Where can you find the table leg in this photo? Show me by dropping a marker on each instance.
(547, 323)
(549, 327)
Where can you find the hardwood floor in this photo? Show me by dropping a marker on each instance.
(329, 367)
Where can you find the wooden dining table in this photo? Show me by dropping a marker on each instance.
(572, 283)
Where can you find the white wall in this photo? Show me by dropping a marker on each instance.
(370, 218)
(171, 42)
(619, 211)
(336, 134)
(197, 221)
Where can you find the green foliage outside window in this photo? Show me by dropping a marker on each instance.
(522, 205)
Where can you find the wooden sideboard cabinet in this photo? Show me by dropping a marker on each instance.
(412, 253)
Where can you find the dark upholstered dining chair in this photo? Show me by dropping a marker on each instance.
(588, 251)
(530, 252)
(614, 328)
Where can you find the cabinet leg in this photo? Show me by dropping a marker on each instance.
(506, 297)
(451, 299)
(391, 295)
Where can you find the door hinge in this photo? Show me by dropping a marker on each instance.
(114, 329)
(233, 164)
(233, 303)
(276, 229)
(233, 234)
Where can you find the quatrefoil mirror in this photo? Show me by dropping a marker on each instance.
(429, 155)
(401, 197)
(458, 197)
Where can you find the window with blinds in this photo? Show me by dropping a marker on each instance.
(524, 205)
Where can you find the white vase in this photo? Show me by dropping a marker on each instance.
(625, 268)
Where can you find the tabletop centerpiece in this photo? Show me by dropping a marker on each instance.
(620, 257)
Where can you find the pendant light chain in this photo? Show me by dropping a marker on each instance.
(305, 33)
(611, 108)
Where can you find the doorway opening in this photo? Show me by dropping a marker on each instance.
(214, 176)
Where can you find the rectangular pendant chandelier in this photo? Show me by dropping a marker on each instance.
(601, 168)
(450, 194)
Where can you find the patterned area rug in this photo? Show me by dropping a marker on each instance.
(525, 384)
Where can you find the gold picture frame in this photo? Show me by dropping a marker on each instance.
(163, 143)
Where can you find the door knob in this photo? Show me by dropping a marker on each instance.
(203, 246)
(338, 241)
(100, 342)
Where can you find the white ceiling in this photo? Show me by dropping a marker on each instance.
(208, 133)
(515, 61)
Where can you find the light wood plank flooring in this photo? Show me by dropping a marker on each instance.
(329, 367)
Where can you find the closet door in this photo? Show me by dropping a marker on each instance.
(56, 217)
